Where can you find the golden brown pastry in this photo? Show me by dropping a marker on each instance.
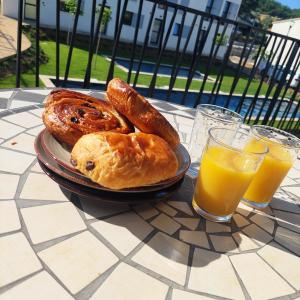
(68, 115)
(119, 161)
(140, 112)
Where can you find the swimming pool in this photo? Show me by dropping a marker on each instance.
(163, 70)
(220, 100)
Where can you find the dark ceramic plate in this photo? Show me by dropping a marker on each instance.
(112, 197)
(62, 155)
(81, 180)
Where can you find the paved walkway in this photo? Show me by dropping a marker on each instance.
(8, 37)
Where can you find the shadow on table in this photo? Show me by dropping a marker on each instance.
(144, 222)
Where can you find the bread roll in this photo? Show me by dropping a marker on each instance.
(119, 161)
(68, 115)
(140, 112)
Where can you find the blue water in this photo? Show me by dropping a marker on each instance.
(220, 100)
(162, 70)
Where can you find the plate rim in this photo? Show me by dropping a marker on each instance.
(73, 170)
(136, 190)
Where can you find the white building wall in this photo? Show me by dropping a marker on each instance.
(48, 11)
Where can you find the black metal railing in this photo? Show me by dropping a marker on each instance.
(258, 82)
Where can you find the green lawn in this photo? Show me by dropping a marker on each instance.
(79, 62)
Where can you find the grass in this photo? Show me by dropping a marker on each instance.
(79, 62)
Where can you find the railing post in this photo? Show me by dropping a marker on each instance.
(19, 44)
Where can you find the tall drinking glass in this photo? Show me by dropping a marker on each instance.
(283, 149)
(208, 116)
(225, 173)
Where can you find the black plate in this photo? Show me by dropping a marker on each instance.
(111, 197)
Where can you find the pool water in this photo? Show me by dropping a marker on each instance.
(190, 100)
(163, 70)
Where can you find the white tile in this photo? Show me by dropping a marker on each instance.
(216, 227)
(78, 260)
(294, 173)
(40, 286)
(38, 112)
(8, 185)
(6, 94)
(146, 211)
(8, 130)
(292, 189)
(240, 220)
(95, 209)
(17, 259)
(182, 206)
(38, 91)
(244, 242)
(223, 243)
(41, 187)
(264, 222)
(126, 282)
(47, 222)
(259, 279)
(20, 103)
(166, 209)
(288, 220)
(257, 234)
(289, 239)
(284, 203)
(123, 231)
(212, 273)
(36, 130)
(22, 142)
(9, 218)
(283, 261)
(24, 119)
(37, 168)
(190, 223)
(179, 295)
(244, 210)
(197, 238)
(166, 224)
(288, 181)
(166, 256)
(14, 162)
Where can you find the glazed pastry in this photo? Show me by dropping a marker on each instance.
(140, 112)
(119, 161)
(68, 115)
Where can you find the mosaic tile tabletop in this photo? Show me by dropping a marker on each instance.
(57, 245)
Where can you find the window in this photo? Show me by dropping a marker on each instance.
(226, 9)
(128, 17)
(209, 6)
(176, 29)
(156, 31)
(30, 9)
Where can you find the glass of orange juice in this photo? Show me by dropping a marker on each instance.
(226, 171)
(283, 149)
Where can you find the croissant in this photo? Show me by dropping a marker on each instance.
(68, 115)
(140, 112)
(119, 161)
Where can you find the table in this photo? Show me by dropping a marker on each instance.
(56, 245)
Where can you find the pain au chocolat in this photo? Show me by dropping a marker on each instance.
(140, 112)
(68, 115)
(119, 161)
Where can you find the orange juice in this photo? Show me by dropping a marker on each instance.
(223, 179)
(272, 171)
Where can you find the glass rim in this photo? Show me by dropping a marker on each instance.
(244, 132)
(221, 108)
(282, 132)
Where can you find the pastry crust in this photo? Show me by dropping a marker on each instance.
(119, 161)
(140, 112)
(68, 115)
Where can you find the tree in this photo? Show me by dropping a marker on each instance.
(266, 23)
(70, 7)
(106, 17)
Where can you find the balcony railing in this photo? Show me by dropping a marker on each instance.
(263, 72)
